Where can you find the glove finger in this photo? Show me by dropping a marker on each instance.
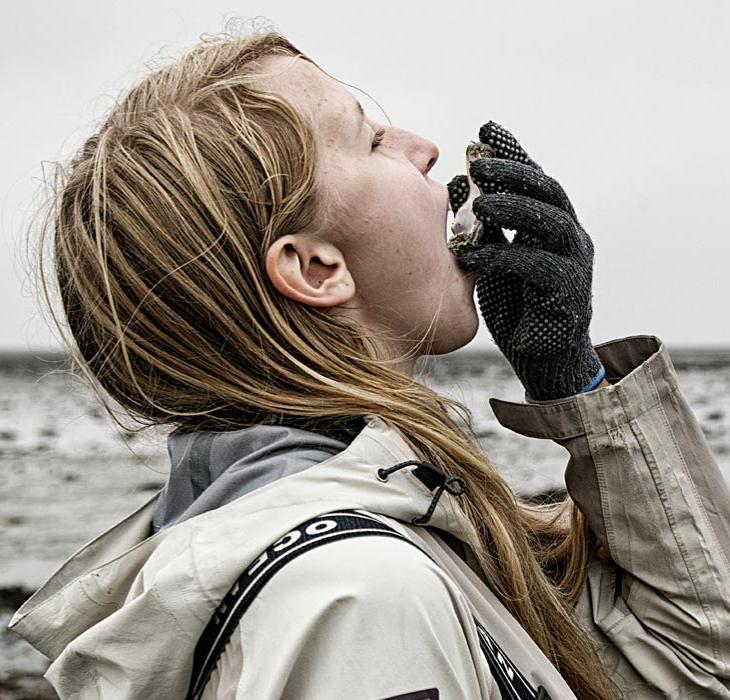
(476, 258)
(539, 224)
(458, 188)
(541, 269)
(491, 175)
(504, 144)
(473, 258)
(494, 235)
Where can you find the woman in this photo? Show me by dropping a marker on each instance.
(246, 257)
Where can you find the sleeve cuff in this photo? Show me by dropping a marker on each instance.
(640, 371)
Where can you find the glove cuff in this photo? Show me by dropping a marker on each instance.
(595, 381)
(559, 377)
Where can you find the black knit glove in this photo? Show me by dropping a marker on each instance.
(534, 293)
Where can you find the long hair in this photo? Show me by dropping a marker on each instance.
(159, 230)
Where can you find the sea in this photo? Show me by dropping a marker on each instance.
(67, 471)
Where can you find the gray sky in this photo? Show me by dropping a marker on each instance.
(626, 103)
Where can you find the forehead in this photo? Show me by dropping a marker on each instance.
(310, 90)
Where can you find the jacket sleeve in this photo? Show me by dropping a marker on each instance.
(642, 473)
(365, 618)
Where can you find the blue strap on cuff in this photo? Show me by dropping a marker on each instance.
(595, 381)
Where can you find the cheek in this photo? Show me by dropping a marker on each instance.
(393, 219)
(388, 226)
(391, 248)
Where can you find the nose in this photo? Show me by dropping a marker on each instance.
(433, 156)
(420, 151)
(427, 155)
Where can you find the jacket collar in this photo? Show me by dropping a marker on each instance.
(209, 469)
(127, 572)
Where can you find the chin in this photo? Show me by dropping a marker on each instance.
(456, 336)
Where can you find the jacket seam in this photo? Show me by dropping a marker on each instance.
(698, 499)
(628, 417)
(75, 581)
(156, 593)
(603, 490)
(698, 503)
(681, 547)
(81, 549)
(83, 588)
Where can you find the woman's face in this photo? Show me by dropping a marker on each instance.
(389, 218)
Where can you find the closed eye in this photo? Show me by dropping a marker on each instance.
(378, 138)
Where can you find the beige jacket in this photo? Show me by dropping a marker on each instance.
(375, 618)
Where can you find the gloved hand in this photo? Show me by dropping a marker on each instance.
(535, 292)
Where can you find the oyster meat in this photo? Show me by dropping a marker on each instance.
(466, 228)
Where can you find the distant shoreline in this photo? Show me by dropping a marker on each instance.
(682, 357)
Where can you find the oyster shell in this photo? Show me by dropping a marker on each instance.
(466, 229)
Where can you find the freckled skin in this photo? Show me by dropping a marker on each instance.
(390, 218)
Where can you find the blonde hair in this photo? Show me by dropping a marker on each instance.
(160, 228)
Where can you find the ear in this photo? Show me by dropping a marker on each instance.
(308, 270)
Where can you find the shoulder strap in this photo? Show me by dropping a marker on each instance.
(328, 527)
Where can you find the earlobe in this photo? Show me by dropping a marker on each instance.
(310, 271)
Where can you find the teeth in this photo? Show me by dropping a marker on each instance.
(466, 228)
